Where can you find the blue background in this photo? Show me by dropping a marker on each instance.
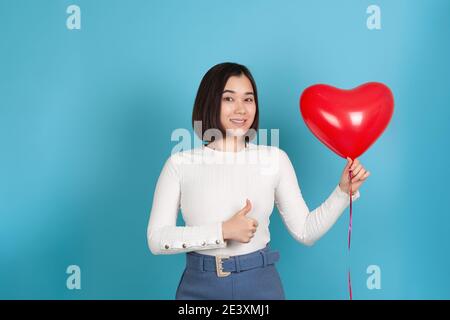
(86, 118)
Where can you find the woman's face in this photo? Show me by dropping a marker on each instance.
(238, 107)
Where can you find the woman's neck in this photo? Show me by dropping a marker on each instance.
(233, 144)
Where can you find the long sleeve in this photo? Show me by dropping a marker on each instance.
(305, 226)
(163, 236)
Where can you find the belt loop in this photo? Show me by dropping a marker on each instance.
(238, 263)
(202, 263)
(264, 257)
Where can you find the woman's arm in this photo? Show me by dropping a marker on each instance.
(163, 236)
(305, 226)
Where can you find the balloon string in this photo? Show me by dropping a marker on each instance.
(350, 284)
(350, 232)
(350, 223)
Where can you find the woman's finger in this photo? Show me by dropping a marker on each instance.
(354, 164)
(365, 176)
(359, 175)
(357, 170)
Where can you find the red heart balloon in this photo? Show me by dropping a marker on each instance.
(347, 121)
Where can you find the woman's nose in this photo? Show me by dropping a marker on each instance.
(240, 108)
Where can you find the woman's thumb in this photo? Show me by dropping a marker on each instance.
(349, 162)
(247, 208)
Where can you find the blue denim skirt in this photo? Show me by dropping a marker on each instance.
(251, 276)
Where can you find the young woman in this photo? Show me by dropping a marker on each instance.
(226, 242)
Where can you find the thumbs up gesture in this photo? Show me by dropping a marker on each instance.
(240, 227)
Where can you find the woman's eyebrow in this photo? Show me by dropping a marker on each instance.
(231, 91)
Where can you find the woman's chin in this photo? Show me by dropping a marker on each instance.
(236, 132)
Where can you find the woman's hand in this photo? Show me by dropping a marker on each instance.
(239, 227)
(359, 175)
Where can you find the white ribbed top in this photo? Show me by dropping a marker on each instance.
(210, 186)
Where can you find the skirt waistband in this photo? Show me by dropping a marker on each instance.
(224, 265)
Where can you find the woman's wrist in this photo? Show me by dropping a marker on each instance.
(224, 231)
(346, 189)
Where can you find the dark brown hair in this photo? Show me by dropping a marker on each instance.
(209, 96)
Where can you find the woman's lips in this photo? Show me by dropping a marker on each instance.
(238, 122)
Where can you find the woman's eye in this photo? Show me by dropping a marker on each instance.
(249, 100)
(228, 99)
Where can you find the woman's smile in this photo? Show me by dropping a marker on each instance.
(239, 122)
